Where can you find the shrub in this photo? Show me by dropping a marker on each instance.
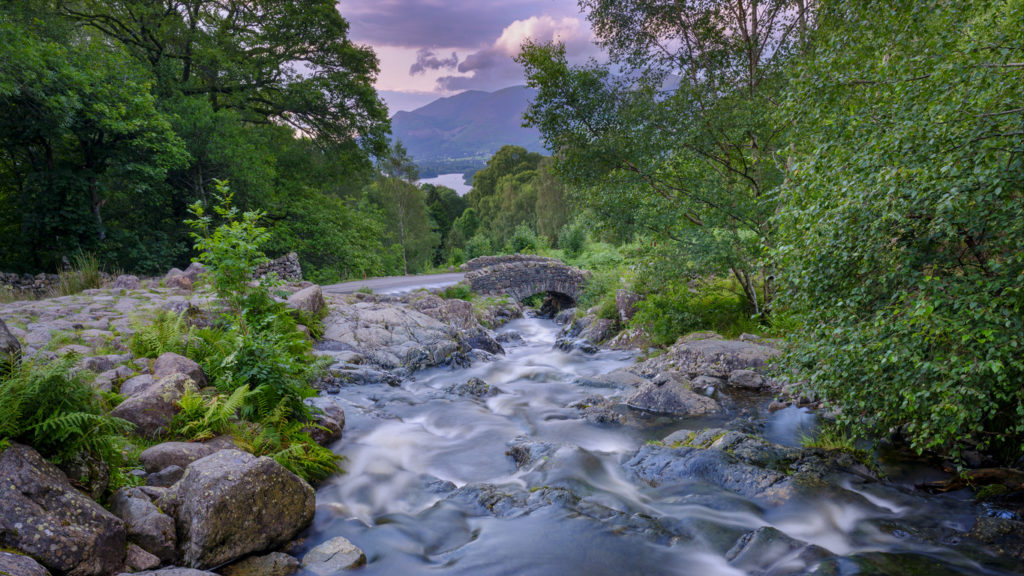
(459, 292)
(524, 240)
(478, 245)
(679, 309)
(169, 332)
(82, 274)
(49, 407)
(572, 239)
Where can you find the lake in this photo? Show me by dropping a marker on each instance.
(453, 181)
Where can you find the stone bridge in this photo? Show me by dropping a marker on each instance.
(522, 275)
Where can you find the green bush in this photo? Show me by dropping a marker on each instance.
(478, 245)
(459, 292)
(679, 309)
(83, 274)
(169, 332)
(572, 239)
(48, 406)
(524, 240)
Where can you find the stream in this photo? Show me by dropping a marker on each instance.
(427, 472)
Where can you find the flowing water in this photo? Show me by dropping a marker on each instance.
(414, 453)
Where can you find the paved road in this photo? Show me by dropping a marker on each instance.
(396, 284)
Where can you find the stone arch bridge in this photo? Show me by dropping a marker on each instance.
(521, 276)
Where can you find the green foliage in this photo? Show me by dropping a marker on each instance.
(903, 221)
(205, 416)
(288, 442)
(458, 291)
(572, 238)
(83, 274)
(49, 407)
(168, 332)
(406, 215)
(678, 310)
(524, 240)
(478, 245)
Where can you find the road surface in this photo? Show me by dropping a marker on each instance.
(396, 284)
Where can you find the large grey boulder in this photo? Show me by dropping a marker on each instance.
(668, 395)
(132, 386)
(158, 457)
(127, 282)
(392, 336)
(18, 565)
(10, 348)
(309, 299)
(171, 363)
(152, 408)
(137, 559)
(231, 504)
(147, 526)
(333, 556)
(329, 420)
(716, 357)
(42, 515)
(459, 315)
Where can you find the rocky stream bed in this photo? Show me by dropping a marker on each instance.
(477, 441)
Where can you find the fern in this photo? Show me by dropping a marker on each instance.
(169, 332)
(202, 417)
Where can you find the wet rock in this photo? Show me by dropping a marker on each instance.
(746, 379)
(459, 315)
(707, 354)
(668, 395)
(488, 499)
(770, 552)
(309, 300)
(474, 388)
(171, 363)
(127, 282)
(273, 564)
(631, 339)
(394, 336)
(231, 504)
(622, 379)
(42, 515)
(566, 316)
(161, 456)
(137, 559)
(333, 556)
(1003, 535)
(525, 452)
(166, 477)
(147, 526)
(329, 418)
(18, 565)
(509, 337)
(152, 408)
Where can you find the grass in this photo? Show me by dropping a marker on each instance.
(83, 274)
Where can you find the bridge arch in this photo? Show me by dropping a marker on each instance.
(521, 276)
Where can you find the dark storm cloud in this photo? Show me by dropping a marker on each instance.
(426, 59)
(446, 23)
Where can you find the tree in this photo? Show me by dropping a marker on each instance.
(680, 142)
(405, 210)
(553, 210)
(444, 206)
(903, 220)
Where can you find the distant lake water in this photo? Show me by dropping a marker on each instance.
(453, 181)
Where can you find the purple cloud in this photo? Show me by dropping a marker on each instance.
(426, 59)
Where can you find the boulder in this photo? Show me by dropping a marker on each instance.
(769, 547)
(176, 278)
(171, 363)
(671, 396)
(44, 516)
(273, 564)
(329, 418)
(10, 348)
(459, 315)
(161, 456)
(89, 474)
(127, 282)
(147, 526)
(18, 565)
(132, 386)
(171, 572)
(152, 408)
(718, 358)
(474, 388)
(310, 300)
(746, 379)
(625, 304)
(333, 556)
(194, 271)
(392, 336)
(231, 504)
(165, 478)
(137, 559)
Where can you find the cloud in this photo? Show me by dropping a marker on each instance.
(493, 67)
(427, 60)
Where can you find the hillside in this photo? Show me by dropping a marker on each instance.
(459, 133)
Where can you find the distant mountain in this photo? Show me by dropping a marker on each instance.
(461, 132)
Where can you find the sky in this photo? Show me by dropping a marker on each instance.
(434, 48)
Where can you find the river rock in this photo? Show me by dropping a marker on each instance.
(393, 336)
(231, 504)
(273, 564)
(147, 526)
(459, 315)
(713, 356)
(42, 515)
(152, 408)
(309, 299)
(746, 379)
(137, 559)
(171, 572)
(668, 395)
(333, 556)
(766, 548)
(18, 565)
(474, 388)
(329, 418)
(171, 363)
(10, 347)
(159, 457)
